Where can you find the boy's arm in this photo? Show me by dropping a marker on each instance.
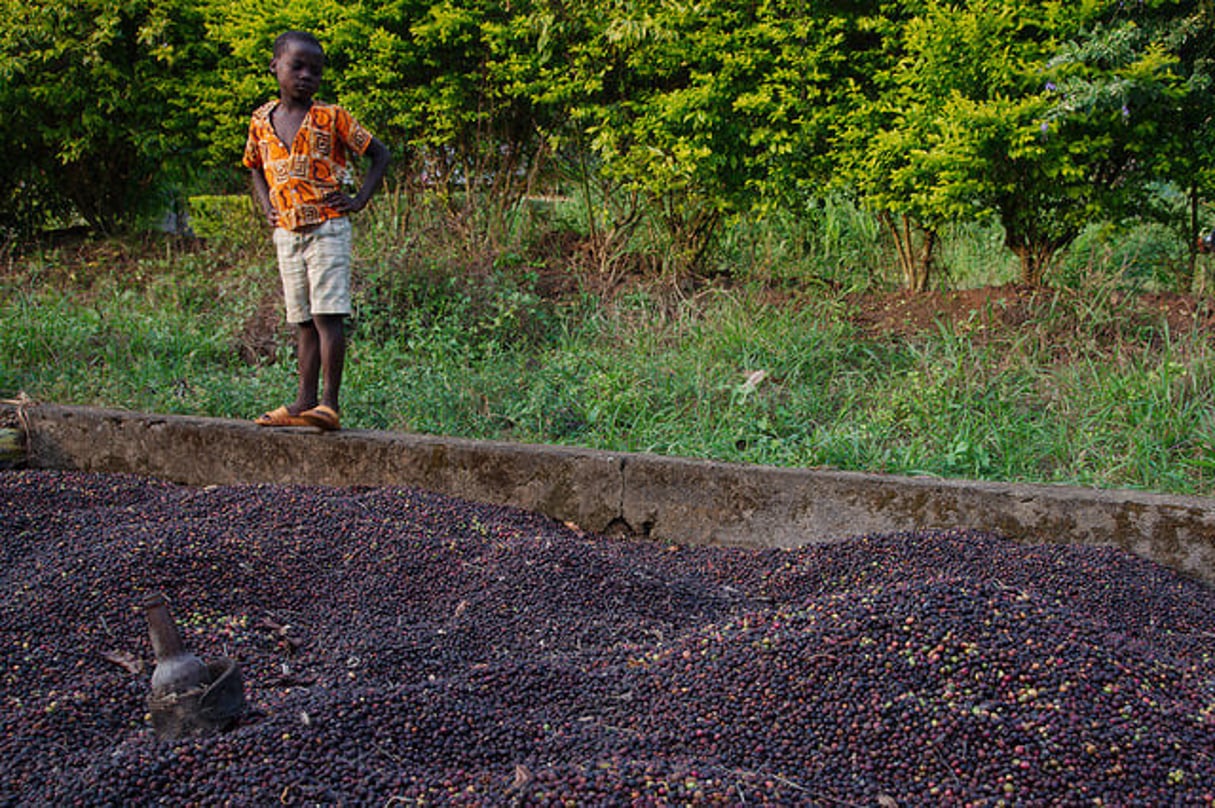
(261, 192)
(380, 157)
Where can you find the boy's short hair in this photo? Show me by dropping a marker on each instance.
(302, 37)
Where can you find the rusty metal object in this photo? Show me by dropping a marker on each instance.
(188, 698)
(223, 702)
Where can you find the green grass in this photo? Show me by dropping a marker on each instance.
(453, 334)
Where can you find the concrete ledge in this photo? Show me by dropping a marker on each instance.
(669, 498)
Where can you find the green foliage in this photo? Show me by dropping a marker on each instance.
(455, 88)
(665, 121)
(428, 308)
(948, 130)
(160, 331)
(1145, 257)
(1040, 114)
(704, 111)
(227, 218)
(1145, 42)
(90, 91)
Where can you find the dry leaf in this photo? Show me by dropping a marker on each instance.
(753, 380)
(123, 659)
(523, 776)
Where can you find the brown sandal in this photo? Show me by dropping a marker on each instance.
(281, 417)
(322, 417)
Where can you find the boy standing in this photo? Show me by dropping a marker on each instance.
(297, 151)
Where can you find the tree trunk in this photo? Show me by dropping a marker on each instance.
(1035, 257)
(915, 265)
(1197, 266)
(1031, 267)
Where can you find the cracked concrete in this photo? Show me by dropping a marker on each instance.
(671, 499)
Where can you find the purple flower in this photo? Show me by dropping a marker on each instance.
(1050, 87)
(1045, 127)
(1126, 113)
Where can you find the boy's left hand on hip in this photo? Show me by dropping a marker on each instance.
(342, 203)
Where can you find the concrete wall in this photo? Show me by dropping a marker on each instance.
(668, 498)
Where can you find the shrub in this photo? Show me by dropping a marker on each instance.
(226, 218)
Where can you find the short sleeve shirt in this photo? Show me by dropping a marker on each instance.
(315, 164)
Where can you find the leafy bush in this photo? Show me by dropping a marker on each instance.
(671, 121)
(96, 99)
(227, 218)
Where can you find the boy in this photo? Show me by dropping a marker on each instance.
(296, 153)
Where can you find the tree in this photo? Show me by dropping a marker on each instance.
(705, 109)
(982, 109)
(950, 129)
(886, 132)
(88, 93)
(454, 87)
(1150, 65)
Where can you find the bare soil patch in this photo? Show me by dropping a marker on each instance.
(995, 311)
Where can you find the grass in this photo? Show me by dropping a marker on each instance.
(500, 335)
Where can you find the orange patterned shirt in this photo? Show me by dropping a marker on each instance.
(301, 176)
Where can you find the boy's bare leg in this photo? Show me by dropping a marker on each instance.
(308, 351)
(332, 337)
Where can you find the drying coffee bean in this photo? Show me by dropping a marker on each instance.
(400, 647)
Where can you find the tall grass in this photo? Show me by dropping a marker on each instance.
(458, 330)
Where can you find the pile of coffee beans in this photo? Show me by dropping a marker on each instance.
(404, 648)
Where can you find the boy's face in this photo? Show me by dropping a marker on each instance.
(298, 70)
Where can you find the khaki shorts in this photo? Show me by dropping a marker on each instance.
(315, 268)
